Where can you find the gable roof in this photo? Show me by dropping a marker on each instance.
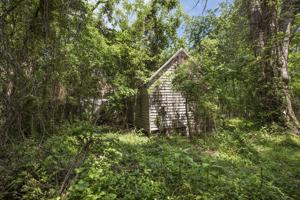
(164, 67)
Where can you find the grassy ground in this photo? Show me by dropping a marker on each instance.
(225, 165)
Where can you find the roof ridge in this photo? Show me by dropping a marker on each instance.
(157, 72)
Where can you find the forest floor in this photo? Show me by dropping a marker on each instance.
(227, 165)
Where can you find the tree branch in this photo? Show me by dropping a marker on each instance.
(197, 3)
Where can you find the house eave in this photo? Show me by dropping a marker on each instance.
(160, 71)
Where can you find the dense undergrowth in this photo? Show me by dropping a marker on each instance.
(83, 162)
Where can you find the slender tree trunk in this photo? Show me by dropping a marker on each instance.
(270, 33)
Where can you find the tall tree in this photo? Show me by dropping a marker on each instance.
(270, 33)
(51, 58)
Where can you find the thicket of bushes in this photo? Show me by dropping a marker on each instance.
(85, 162)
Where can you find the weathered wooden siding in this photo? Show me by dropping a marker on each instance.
(167, 107)
(158, 106)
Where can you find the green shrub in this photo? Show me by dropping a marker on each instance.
(35, 167)
(225, 165)
(238, 124)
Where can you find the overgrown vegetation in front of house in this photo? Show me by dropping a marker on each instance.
(85, 162)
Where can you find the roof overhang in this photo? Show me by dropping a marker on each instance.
(164, 67)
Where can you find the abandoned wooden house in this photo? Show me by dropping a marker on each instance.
(158, 106)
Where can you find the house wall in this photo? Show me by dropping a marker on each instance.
(167, 107)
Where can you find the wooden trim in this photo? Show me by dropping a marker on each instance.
(160, 71)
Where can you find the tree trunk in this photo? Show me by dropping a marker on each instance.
(270, 33)
(289, 9)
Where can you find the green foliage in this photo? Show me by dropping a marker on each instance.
(35, 168)
(228, 165)
(71, 53)
(221, 69)
(226, 72)
(225, 166)
(58, 57)
(239, 124)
